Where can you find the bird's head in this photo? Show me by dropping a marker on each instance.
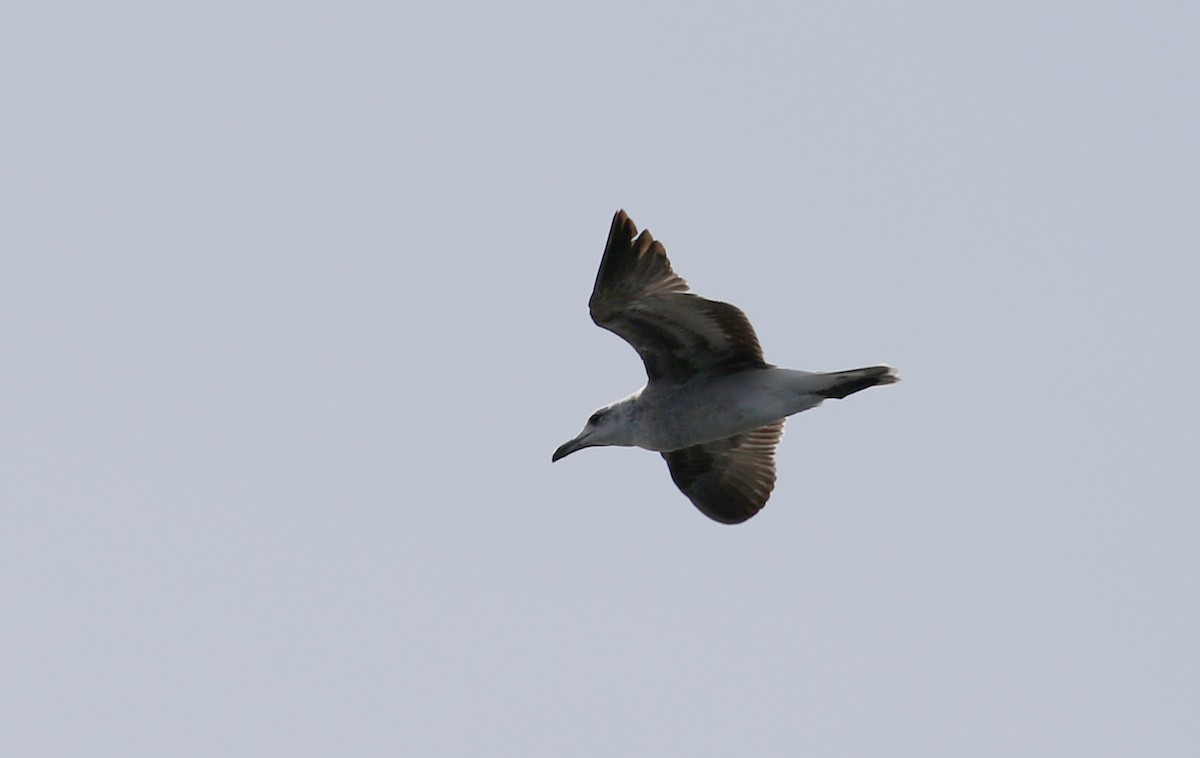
(607, 426)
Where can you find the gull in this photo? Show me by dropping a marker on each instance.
(711, 405)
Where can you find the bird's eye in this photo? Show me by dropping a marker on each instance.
(595, 419)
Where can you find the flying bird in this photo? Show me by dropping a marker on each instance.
(711, 405)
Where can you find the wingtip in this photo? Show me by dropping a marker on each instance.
(621, 220)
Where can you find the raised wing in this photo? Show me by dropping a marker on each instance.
(678, 335)
(729, 480)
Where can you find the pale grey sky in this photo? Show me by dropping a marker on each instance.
(293, 312)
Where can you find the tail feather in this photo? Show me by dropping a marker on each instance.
(844, 383)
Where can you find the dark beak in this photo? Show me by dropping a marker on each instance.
(567, 448)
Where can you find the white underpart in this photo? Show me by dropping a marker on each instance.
(665, 416)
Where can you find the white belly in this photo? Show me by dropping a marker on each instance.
(674, 416)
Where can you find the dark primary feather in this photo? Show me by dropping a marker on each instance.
(729, 480)
(677, 334)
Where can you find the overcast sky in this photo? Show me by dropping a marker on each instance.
(293, 312)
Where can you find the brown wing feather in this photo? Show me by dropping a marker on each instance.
(729, 480)
(678, 335)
